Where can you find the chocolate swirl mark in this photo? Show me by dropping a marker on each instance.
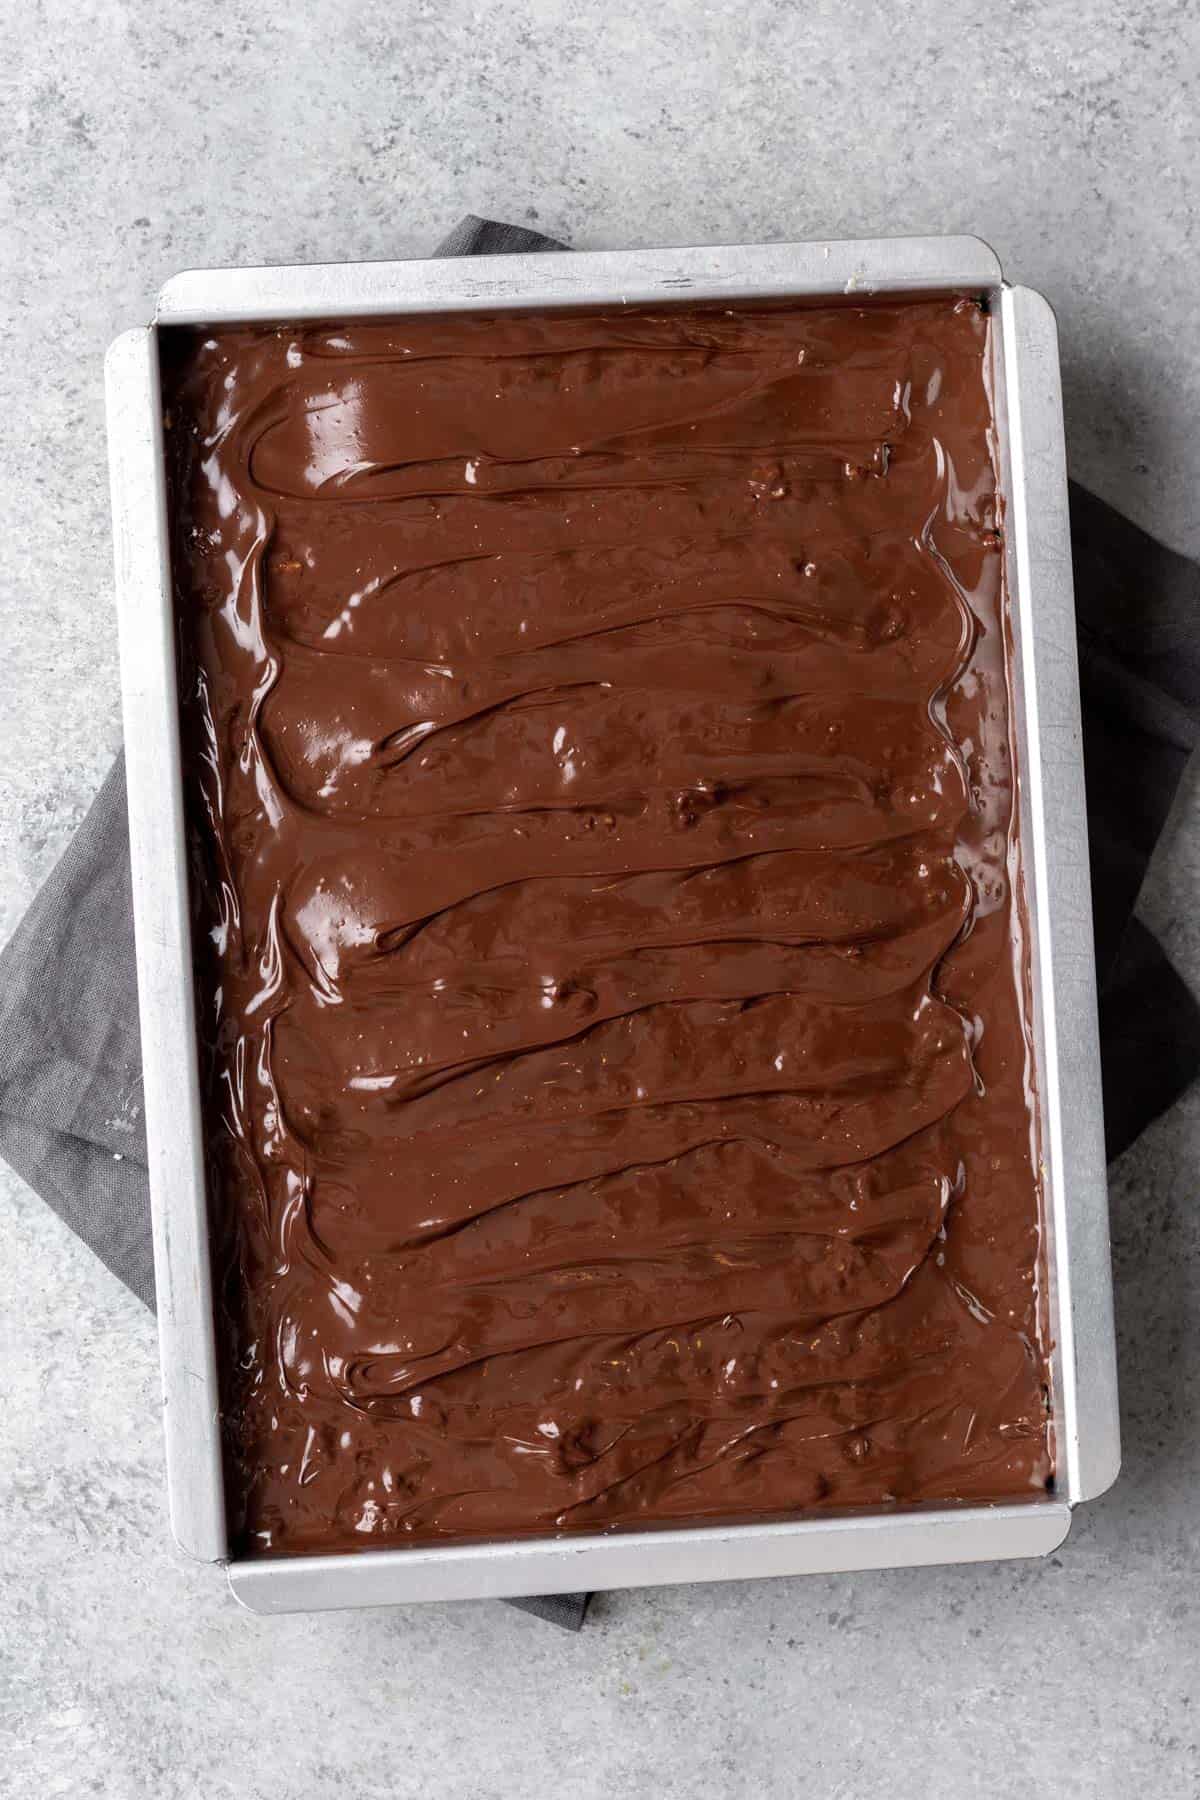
(348, 448)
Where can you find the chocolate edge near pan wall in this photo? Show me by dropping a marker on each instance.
(1057, 883)
(1028, 407)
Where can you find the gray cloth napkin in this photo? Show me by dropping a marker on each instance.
(70, 1056)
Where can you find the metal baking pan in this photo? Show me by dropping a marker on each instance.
(1029, 421)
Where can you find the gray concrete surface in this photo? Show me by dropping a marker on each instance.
(138, 140)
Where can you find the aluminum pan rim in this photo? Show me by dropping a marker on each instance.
(1086, 1430)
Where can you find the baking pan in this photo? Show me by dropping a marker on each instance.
(1028, 409)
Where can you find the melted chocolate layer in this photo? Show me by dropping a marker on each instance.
(608, 929)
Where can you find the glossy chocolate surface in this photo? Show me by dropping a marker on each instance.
(609, 939)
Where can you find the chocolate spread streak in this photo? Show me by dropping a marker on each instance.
(607, 916)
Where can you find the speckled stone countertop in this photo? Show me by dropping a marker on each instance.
(141, 141)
